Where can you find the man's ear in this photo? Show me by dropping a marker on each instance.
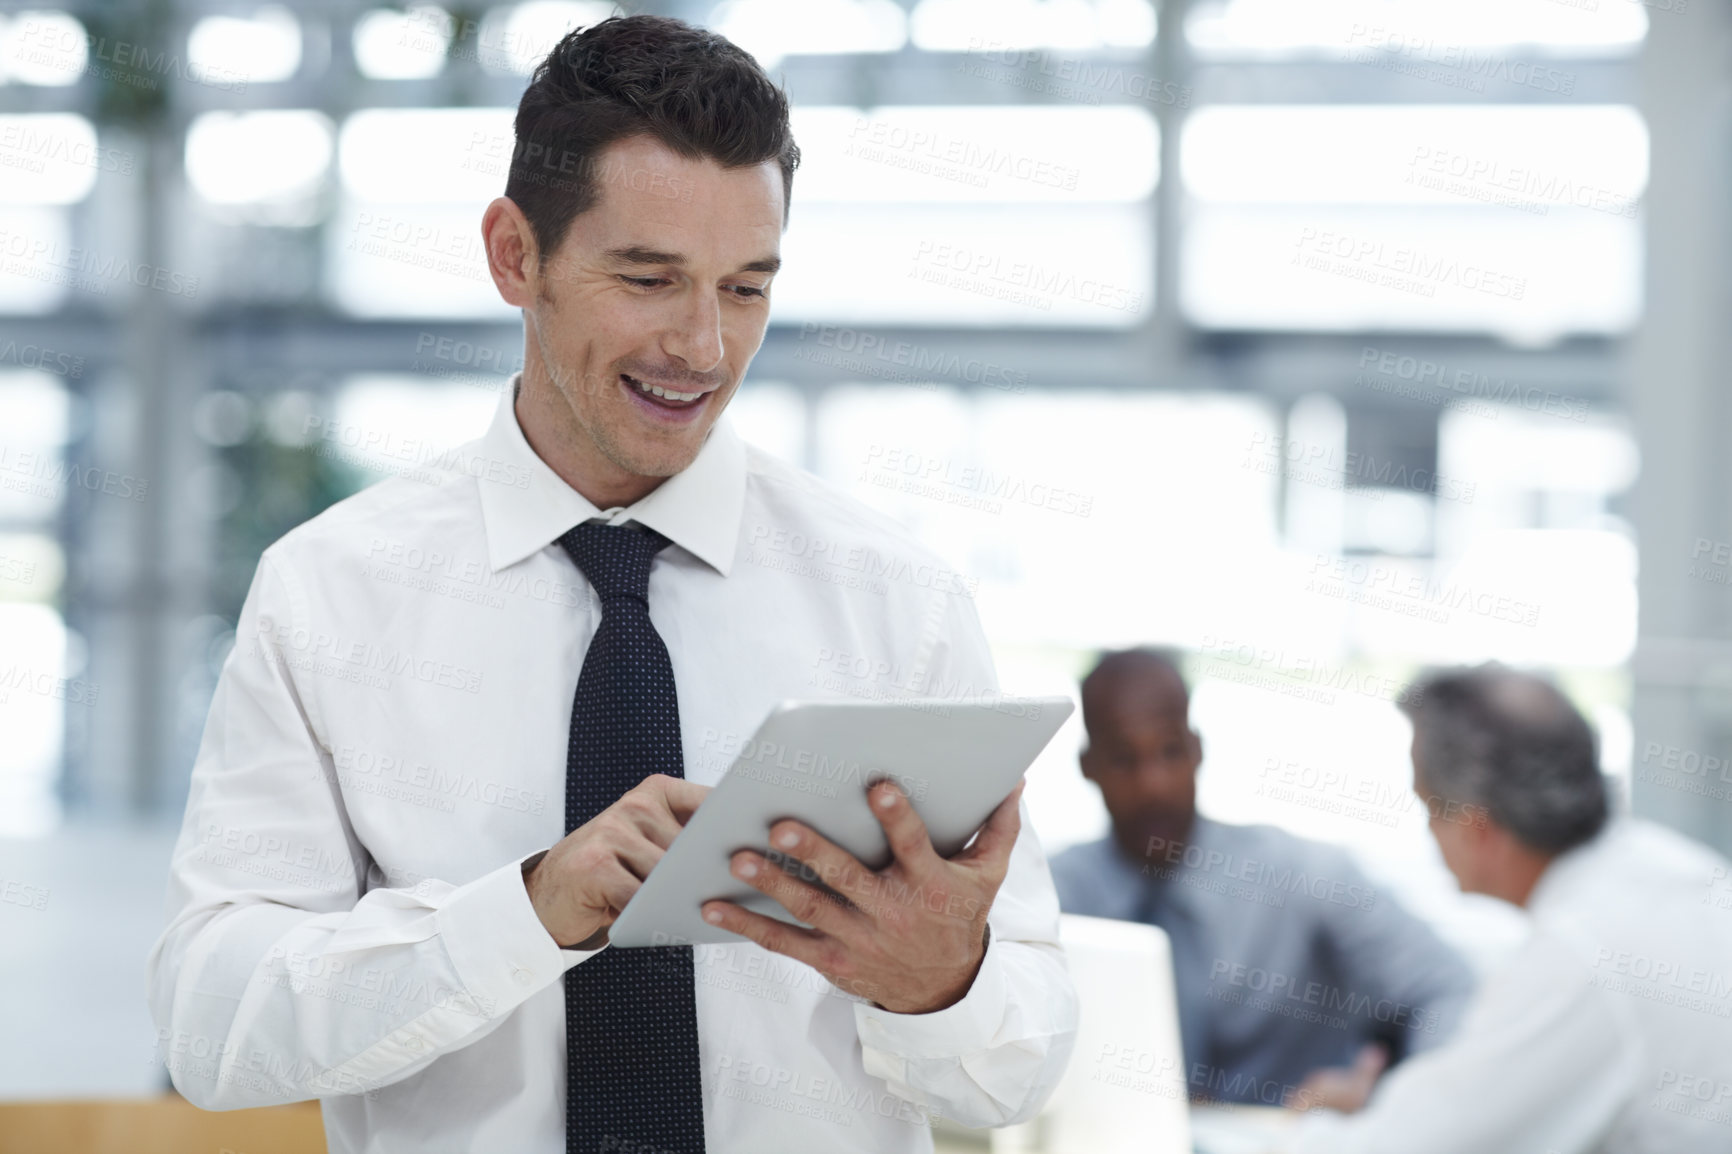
(1087, 760)
(1196, 742)
(512, 256)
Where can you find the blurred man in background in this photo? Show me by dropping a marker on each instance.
(1610, 1030)
(1292, 970)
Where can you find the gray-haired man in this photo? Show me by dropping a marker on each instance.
(1610, 1030)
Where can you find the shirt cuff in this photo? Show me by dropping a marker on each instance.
(889, 1041)
(500, 949)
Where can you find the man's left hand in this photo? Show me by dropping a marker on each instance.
(909, 937)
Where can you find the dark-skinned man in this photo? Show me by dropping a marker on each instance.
(1294, 973)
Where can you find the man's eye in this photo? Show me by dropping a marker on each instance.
(747, 290)
(644, 281)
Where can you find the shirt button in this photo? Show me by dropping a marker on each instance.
(522, 977)
(416, 1045)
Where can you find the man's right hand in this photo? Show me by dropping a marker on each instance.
(584, 882)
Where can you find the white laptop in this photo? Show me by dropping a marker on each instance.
(1124, 1090)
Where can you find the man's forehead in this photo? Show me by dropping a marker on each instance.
(642, 179)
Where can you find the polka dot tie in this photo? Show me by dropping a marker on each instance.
(631, 1026)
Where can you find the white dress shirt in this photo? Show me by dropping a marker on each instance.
(387, 743)
(1609, 1030)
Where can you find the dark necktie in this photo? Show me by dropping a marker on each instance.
(1162, 904)
(631, 1027)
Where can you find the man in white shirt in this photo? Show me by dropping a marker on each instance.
(1610, 1029)
(375, 900)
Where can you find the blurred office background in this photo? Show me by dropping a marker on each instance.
(1321, 339)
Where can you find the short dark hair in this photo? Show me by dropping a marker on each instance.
(1511, 742)
(694, 91)
(1141, 659)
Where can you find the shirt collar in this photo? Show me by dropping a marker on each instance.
(698, 508)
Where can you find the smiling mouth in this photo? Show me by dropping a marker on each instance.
(666, 398)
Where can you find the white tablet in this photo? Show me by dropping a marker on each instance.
(956, 759)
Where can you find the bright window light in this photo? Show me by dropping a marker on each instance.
(1008, 25)
(1518, 220)
(1056, 265)
(393, 45)
(46, 48)
(52, 158)
(1424, 30)
(426, 155)
(35, 424)
(772, 417)
(34, 258)
(410, 260)
(773, 29)
(995, 154)
(516, 39)
(257, 157)
(1337, 268)
(1522, 156)
(34, 567)
(384, 424)
(260, 49)
(32, 724)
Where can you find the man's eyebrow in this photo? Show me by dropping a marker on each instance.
(638, 255)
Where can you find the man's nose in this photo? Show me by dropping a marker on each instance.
(696, 336)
